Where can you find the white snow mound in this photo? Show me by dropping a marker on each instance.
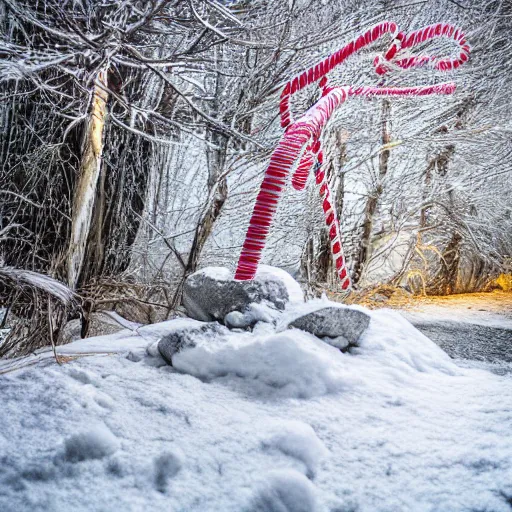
(293, 364)
(296, 364)
(285, 490)
(95, 443)
(299, 440)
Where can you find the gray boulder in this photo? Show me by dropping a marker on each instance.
(189, 337)
(211, 293)
(339, 327)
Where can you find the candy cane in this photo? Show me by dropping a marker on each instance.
(320, 70)
(331, 218)
(403, 42)
(302, 138)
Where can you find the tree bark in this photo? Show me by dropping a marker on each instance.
(85, 190)
(217, 195)
(364, 250)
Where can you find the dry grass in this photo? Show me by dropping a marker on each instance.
(385, 296)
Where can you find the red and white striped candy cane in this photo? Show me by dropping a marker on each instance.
(403, 41)
(331, 220)
(307, 129)
(321, 69)
(303, 136)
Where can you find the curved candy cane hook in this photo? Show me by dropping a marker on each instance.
(403, 41)
(321, 69)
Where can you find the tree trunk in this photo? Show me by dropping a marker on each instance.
(446, 279)
(217, 184)
(217, 195)
(364, 251)
(85, 190)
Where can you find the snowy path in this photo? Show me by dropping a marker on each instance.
(401, 428)
(474, 329)
(472, 342)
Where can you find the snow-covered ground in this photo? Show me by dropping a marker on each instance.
(261, 422)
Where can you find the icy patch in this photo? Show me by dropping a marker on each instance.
(285, 491)
(96, 443)
(298, 440)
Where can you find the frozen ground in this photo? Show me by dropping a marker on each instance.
(474, 329)
(260, 422)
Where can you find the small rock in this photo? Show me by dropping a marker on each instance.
(334, 322)
(253, 314)
(237, 320)
(176, 341)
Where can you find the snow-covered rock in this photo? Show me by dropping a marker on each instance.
(211, 293)
(190, 336)
(253, 314)
(343, 325)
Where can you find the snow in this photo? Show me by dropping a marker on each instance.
(167, 466)
(260, 421)
(44, 282)
(289, 364)
(300, 441)
(285, 491)
(217, 273)
(109, 343)
(96, 443)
